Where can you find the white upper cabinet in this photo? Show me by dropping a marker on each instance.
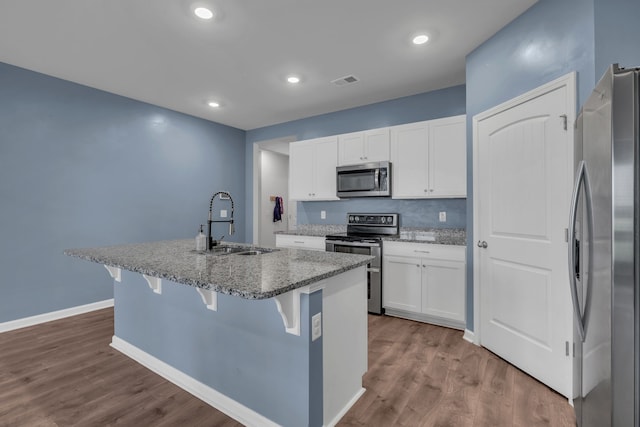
(448, 157)
(429, 159)
(363, 147)
(312, 169)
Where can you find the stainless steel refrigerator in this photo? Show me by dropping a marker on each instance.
(603, 253)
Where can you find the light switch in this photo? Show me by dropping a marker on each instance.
(223, 213)
(316, 326)
(323, 214)
(443, 217)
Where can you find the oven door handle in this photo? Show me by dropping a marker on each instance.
(360, 244)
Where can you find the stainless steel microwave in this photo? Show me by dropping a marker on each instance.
(364, 180)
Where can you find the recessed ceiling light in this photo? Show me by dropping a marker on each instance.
(203, 13)
(420, 39)
(293, 79)
(213, 104)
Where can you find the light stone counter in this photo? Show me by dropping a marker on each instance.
(251, 277)
(438, 236)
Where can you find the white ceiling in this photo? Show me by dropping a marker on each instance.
(158, 52)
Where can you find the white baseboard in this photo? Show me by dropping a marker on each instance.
(234, 409)
(54, 315)
(470, 336)
(346, 408)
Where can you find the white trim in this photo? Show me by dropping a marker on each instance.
(288, 305)
(470, 337)
(257, 172)
(54, 315)
(114, 272)
(568, 81)
(209, 298)
(155, 283)
(258, 147)
(212, 397)
(346, 408)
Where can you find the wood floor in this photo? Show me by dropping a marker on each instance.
(64, 373)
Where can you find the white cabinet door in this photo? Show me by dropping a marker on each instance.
(443, 291)
(325, 162)
(362, 147)
(409, 158)
(426, 282)
(351, 148)
(402, 278)
(312, 169)
(448, 157)
(429, 159)
(301, 171)
(376, 145)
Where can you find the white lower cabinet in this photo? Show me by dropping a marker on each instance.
(424, 282)
(313, 243)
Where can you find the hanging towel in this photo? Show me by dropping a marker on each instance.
(278, 210)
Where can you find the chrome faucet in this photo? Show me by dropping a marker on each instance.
(210, 241)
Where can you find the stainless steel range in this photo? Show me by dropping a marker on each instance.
(364, 236)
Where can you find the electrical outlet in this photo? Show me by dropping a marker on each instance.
(316, 326)
(223, 213)
(323, 214)
(443, 217)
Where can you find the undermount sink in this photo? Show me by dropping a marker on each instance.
(237, 250)
(252, 252)
(223, 250)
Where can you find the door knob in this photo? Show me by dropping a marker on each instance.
(482, 244)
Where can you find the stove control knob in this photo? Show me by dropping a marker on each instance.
(390, 219)
(383, 219)
(350, 218)
(357, 218)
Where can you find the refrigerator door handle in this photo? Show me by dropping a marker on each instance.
(580, 315)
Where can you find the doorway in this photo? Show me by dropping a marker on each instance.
(523, 174)
(270, 180)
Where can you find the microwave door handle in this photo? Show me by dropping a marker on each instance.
(377, 179)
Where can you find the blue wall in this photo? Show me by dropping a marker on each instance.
(616, 34)
(425, 106)
(548, 41)
(240, 350)
(80, 167)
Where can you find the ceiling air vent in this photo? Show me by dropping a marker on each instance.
(344, 80)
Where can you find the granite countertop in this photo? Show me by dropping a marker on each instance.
(251, 277)
(437, 236)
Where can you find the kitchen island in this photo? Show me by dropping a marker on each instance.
(270, 337)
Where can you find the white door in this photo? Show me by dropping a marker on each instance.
(523, 179)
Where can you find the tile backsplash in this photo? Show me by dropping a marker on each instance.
(422, 213)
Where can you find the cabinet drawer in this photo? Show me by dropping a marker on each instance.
(315, 243)
(424, 250)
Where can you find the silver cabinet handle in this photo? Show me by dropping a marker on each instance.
(421, 251)
(482, 244)
(582, 316)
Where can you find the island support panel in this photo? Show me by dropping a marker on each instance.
(239, 357)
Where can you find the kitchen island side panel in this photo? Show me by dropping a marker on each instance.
(241, 350)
